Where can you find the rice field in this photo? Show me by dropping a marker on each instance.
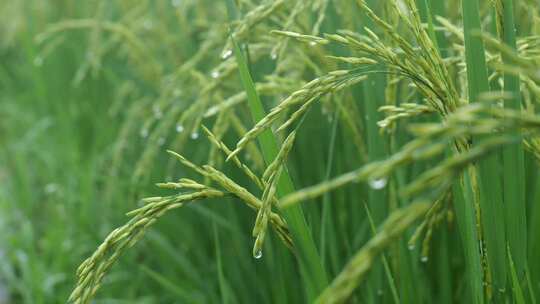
(242, 151)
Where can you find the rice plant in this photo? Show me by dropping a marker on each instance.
(270, 151)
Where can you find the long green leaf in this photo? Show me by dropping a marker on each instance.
(513, 158)
(491, 204)
(312, 270)
(466, 219)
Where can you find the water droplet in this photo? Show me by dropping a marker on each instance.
(176, 3)
(273, 55)
(214, 74)
(313, 43)
(424, 259)
(51, 188)
(378, 183)
(226, 54)
(194, 135)
(144, 133)
(38, 61)
(157, 112)
(258, 254)
(383, 123)
(411, 247)
(147, 24)
(179, 128)
(161, 141)
(324, 110)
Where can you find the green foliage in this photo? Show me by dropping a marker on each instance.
(308, 151)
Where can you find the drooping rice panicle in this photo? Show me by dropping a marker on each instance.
(354, 272)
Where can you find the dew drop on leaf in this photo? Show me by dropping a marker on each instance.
(378, 183)
(226, 54)
(144, 133)
(38, 61)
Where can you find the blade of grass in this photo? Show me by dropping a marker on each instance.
(387, 270)
(326, 217)
(517, 292)
(219, 265)
(513, 159)
(534, 240)
(373, 94)
(466, 219)
(530, 286)
(433, 8)
(312, 270)
(491, 204)
(185, 295)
